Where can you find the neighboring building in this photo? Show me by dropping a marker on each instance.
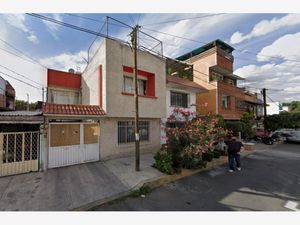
(180, 102)
(213, 69)
(7, 96)
(90, 116)
(286, 109)
(20, 140)
(273, 108)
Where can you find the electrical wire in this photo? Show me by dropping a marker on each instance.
(13, 47)
(173, 21)
(239, 50)
(19, 80)
(21, 75)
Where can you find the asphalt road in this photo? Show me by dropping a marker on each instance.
(269, 181)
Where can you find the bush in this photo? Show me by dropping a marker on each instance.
(216, 154)
(163, 162)
(144, 190)
(207, 156)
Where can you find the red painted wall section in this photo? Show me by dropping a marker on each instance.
(150, 89)
(63, 79)
(100, 85)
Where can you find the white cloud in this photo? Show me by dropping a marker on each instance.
(65, 61)
(192, 29)
(18, 21)
(52, 27)
(266, 26)
(286, 47)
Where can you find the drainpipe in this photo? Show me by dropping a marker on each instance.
(217, 99)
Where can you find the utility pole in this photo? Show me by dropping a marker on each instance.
(27, 102)
(134, 34)
(43, 94)
(265, 107)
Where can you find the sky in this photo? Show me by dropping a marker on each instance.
(267, 46)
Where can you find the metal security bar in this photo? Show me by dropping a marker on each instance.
(18, 152)
(126, 131)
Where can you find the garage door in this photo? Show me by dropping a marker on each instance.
(73, 144)
(18, 152)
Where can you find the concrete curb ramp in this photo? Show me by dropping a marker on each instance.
(160, 181)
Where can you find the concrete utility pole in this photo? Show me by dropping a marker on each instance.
(134, 34)
(265, 107)
(43, 94)
(27, 102)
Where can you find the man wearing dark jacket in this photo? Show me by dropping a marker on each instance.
(234, 149)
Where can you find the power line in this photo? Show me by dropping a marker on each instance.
(17, 55)
(20, 75)
(172, 21)
(76, 27)
(130, 17)
(34, 60)
(19, 80)
(239, 50)
(94, 20)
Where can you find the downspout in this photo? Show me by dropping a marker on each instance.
(217, 99)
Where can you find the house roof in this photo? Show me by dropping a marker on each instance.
(216, 43)
(67, 109)
(184, 82)
(21, 117)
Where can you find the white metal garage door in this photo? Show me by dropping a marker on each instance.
(71, 144)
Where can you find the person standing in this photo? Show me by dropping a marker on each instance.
(234, 149)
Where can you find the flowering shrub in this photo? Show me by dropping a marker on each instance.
(195, 137)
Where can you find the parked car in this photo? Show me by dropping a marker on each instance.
(294, 136)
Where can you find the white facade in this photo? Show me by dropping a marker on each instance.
(173, 109)
(191, 102)
(273, 108)
(103, 84)
(112, 56)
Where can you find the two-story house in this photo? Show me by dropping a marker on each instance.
(90, 116)
(213, 69)
(181, 94)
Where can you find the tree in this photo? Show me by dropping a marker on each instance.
(22, 105)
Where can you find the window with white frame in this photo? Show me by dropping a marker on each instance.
(179, 99)
(129, 86)
(126, 131)
(225, 101)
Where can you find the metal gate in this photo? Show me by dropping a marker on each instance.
(18, 152)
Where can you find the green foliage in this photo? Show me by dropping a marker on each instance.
(144, 190)
(284, 120)
(163, 162)
(216, 154)
(245, 125)
(295, 106)
(208, 156)
(22, 105)
(248, 120)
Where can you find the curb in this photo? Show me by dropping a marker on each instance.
(158, 181)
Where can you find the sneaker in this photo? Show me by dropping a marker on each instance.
(239, 168)
(230, 171)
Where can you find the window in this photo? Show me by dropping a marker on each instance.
(239, 104)
(126, 131)
(225, 101)
(129, 87)
(215, 76)
(179, 99)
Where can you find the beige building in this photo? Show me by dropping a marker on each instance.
(90, 116)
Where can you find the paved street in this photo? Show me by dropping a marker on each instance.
(269, 180)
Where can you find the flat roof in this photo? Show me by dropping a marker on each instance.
(219, 43)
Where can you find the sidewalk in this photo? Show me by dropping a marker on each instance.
(84, 186)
